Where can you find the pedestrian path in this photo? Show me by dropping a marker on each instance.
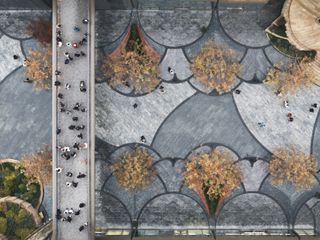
(71, 120)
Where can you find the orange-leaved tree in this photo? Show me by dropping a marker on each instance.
(39, 67)
(134, 169)
(215, 67)
(214, 173)
(289, 78)
(289, 165)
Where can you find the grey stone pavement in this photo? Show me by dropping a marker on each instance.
(184, 118)
(70, 13)
(25, 119)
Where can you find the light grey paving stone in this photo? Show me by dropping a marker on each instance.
(25, 119)
(202, 119)
(117, 122)
(254, 64)
(258, 103)
(275, 56)
(251, 211)
(174, 28)
(14, 23)
(9, 47)
(253, 176)
(172, 211)
(176, 60)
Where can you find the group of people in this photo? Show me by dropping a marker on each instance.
(70, 151)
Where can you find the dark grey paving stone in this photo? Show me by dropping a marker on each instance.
(242, 24)
(110, 213)
(173, 27)
(15, 23)
(254, 64)
(251, 211)
(315, 148)
(275, 56)
(316, 213)
(110, 25)
(203, 119)
(25, 120)
(25, 4)
(304, 218)
(172, 5)
(47, 200)
(172, 211)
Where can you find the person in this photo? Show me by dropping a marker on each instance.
(69, 219)
(143, 139)
(68, 86)
(69, 174)
(84, 145)
(58, 169)
(161, 88)
(82, 205)
(57, 72)
(77, 54)
(75, 119)
(76, 146)
(58, 25)
(75, 45)
(73, 154)
(82, 53)
(71, 127)
(25, 62)
(66, 61)
(58, 131)
(69, 44)
(286, 103)
(81, 228)
(135, 105)
(77, 212)
(80, 136)
(76, 106)
(62, 104)
(70, 212)
(315, 105)
(59, 43)
(60, 95)
(81, 175)
(83, 109)
(85, 21)
(15, 57)
(57, 83)
(311, 110)
(290, 119)
(74, 184)
(261, 124)
(237, 91)
(66, 211)
(170, 70)
(76, 29)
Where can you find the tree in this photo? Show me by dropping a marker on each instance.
(134, 169)
(133, 66)
(291, 77)
(39, 67)
(294, 167)
(215, 173)
(41, 29)
(39, 165)
(216, 68)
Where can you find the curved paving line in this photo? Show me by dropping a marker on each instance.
(15, 38)
(179, 46)
(185, 55)
(244, 55)
(235, 41)
(260, 193)
(164, 120)
(294, 217)
(263, 181)
(267, 57)
(314, 131)
(163, 56)
(177, 193)
(105, 44)
(13, 71)
(176, 80)
(22, 49)
(212, 145)
(124, 206)
(237, 110)
(254, 80)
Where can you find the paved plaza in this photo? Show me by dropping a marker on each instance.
(184, 118)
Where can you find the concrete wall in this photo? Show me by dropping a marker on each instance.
(25, 4)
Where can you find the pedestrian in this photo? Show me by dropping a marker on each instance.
(76, 146)
(62, 109)
(68, 86)
(69, 219)
(286, 103)
(77, 212)
(63, 219)
(76, 29)
(15, 57)
(290, 119)
(75, 45)
(60, 95)
(311, 110)
(27, 80)
(70, 212)
(26, 62)
(74, 184)
(68, 112)
(170, 70)
(82, 53)
(57, 72)
(81, 175)
(135, 105)
(58, 169)
(69, 44)
(59, 43)
(261, 124)
(67, 156)
(82, 205)
(58, 131)
(62, 104)
(66, 211)
(81, 228)
(73, 154)
(85, 21)
(57, 83)
(71, 127)
(66, 54)
(69, 184)
(58, 25)
(238, 91)
(143, 139)
(75, 119)
(161, 89)
(85, 224)
(59, 33)
(83, 109)
(66, 61)
(84, 145)
(69, 174)
(76, 106)
(80, 136)
(315, 105)
(77, 54)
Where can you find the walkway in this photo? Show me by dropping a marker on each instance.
(70, 13)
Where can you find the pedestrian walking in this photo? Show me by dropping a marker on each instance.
(75, 119)
(73, 154)
(57, 72)
(135, 105)
(81, 175)
(71, 127)
(66, 61)
(286, 103)
(85, 21)
(77, 212)
(69, 44)
(261, 124)
(161, 89)
(15, 57)
(70, 212)
(143, 139)
(238, 91)
(58, 131)
(76, 29)
(58, 169)
(82, 205)
(69, 174)
(66, 211)
(74, 184)
(76, 146)
(68, 86)
(170, 70)
(81, 228)
(57, 83)
(82, 53)
(60, 95)
(77, 54)
(69, 219)
(80, 136)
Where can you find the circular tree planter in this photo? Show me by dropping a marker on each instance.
(41, 187)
